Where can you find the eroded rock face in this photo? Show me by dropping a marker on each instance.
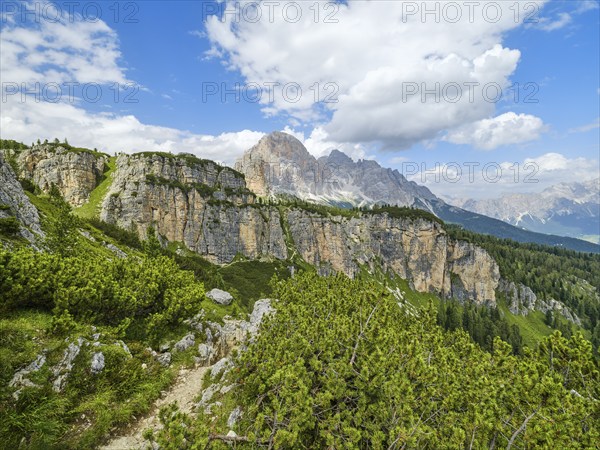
(208, 208)
(19, 206)
(522, 300)
(75, 173)
(205, 206)
(416, 250)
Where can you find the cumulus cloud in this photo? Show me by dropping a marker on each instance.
(115, 133)
(72, 50)
(399, 76)
(506, 129)
(64, 49)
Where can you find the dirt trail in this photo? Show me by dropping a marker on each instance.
(187, 386)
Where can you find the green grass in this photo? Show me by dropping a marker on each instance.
(92, 208)
(250, 279)
(532, 327)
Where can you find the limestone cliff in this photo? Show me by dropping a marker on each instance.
(14, 203)
(197, 202)
(75, 172)
(209, 209)
(417, 250)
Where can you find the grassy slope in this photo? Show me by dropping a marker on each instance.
(92, 207)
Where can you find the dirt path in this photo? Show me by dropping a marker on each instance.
(187, 386)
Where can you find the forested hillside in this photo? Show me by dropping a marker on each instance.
(339, 365)
(565, 275)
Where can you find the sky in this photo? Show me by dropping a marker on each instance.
(472, 99)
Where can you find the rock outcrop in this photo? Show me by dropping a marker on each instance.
(219, 296)
(199, 203)
(417, 250)
(208, 209)
(14, 202)
(522, 300)
(75, 172)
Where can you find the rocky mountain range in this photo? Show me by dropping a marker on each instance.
(280, 164)
(568, 209)
(209, 209)
(222, 214)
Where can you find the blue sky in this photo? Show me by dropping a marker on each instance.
(170, 52)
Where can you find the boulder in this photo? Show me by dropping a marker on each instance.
(205, 353)
(220, 297)
(186, 342)
(164, 359)
(97, 363)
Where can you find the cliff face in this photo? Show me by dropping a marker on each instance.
(210, 210)
(75, 173)
(199, 203)
(416, 250)
(16, 204)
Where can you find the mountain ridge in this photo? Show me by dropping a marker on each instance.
(281, 164)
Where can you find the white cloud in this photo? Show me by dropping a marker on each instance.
(371, 54)
(546, 24)
(506, 129)
(115, 133)
(492, 179)
(64, 50)
(319, 144)
(585, 128)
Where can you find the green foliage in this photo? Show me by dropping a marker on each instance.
(151, 294)
(482, 323)
(565, 275)
(398, 212)
(152, 246)
(9, 226)
(91, 209)
(122, 236)
(340, 365)
(61, 229)
(11, 144)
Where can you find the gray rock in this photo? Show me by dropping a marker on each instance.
(123, 345)
(219, 296)
(205, 353)
(207, 395)
(97, 365)
(234, 417)
(62, 370)
(223, 365)
(165, 347)
(117, 251)
(75, 174)
(20, 380)
(186, 342)
(231, 433)
(196, 322)
(12, 194)
(164, 359)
